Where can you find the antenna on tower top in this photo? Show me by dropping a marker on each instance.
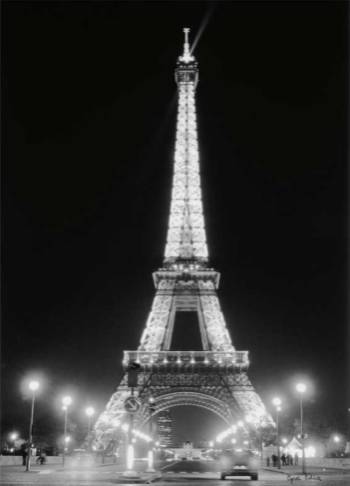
(186, 57)
(186, 31)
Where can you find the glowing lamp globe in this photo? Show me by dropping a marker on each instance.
(90, 411)
(277, 402)
(33, 385)
(13, 436)
(67, 401)
(300, 387)
(336, 438)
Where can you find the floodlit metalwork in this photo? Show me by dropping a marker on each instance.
(214, 378)
(141, 435)
(186, 233)
(180, 291)
(186, 56)
(193, 359)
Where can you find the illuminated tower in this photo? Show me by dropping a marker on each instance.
(214, 378)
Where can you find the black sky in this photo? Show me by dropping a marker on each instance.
(89, 106)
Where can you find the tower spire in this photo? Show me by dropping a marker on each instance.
(186, 57)
(186, 238)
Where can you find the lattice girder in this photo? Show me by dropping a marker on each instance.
(230, 395)
(186, 289)
(166, 401)
(186, 237)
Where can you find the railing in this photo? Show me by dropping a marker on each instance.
(236, 359)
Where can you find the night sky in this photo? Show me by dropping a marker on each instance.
(89, 112)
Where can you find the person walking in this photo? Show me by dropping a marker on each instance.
(283, 459)
(274, 460)
(24, 453)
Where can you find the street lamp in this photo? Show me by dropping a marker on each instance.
(66, 402)
(33, 387)
(90, 411)
(301, 389)
(13, 437)
(150, 455)
(277, 402)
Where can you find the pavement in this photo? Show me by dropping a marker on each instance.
(177, 473)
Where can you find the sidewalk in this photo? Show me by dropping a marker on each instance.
(316, 470)
(55, 475)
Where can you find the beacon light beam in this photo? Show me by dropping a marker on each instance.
(202, 27)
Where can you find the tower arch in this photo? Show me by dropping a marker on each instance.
(177, 398)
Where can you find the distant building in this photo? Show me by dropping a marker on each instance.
(165, 428)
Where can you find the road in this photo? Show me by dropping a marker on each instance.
(177, 473)
(186, 472)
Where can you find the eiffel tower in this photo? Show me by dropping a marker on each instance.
(214, 378)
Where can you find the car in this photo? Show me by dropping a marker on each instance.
(239, 463)
(81, 457)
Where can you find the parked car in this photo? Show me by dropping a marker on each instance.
(239, 463)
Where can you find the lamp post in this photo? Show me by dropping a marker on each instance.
(66, 441)
(150, 455)
(90, 411)
(13, 437)
(277, 402)
(66, 402)
(337, 442)
(33, 387)
(301, 389)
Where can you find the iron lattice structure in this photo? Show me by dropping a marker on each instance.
(215, 378)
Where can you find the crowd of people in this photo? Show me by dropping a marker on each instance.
(40, 455)
(285, 459)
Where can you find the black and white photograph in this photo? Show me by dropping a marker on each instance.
(175, 242)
